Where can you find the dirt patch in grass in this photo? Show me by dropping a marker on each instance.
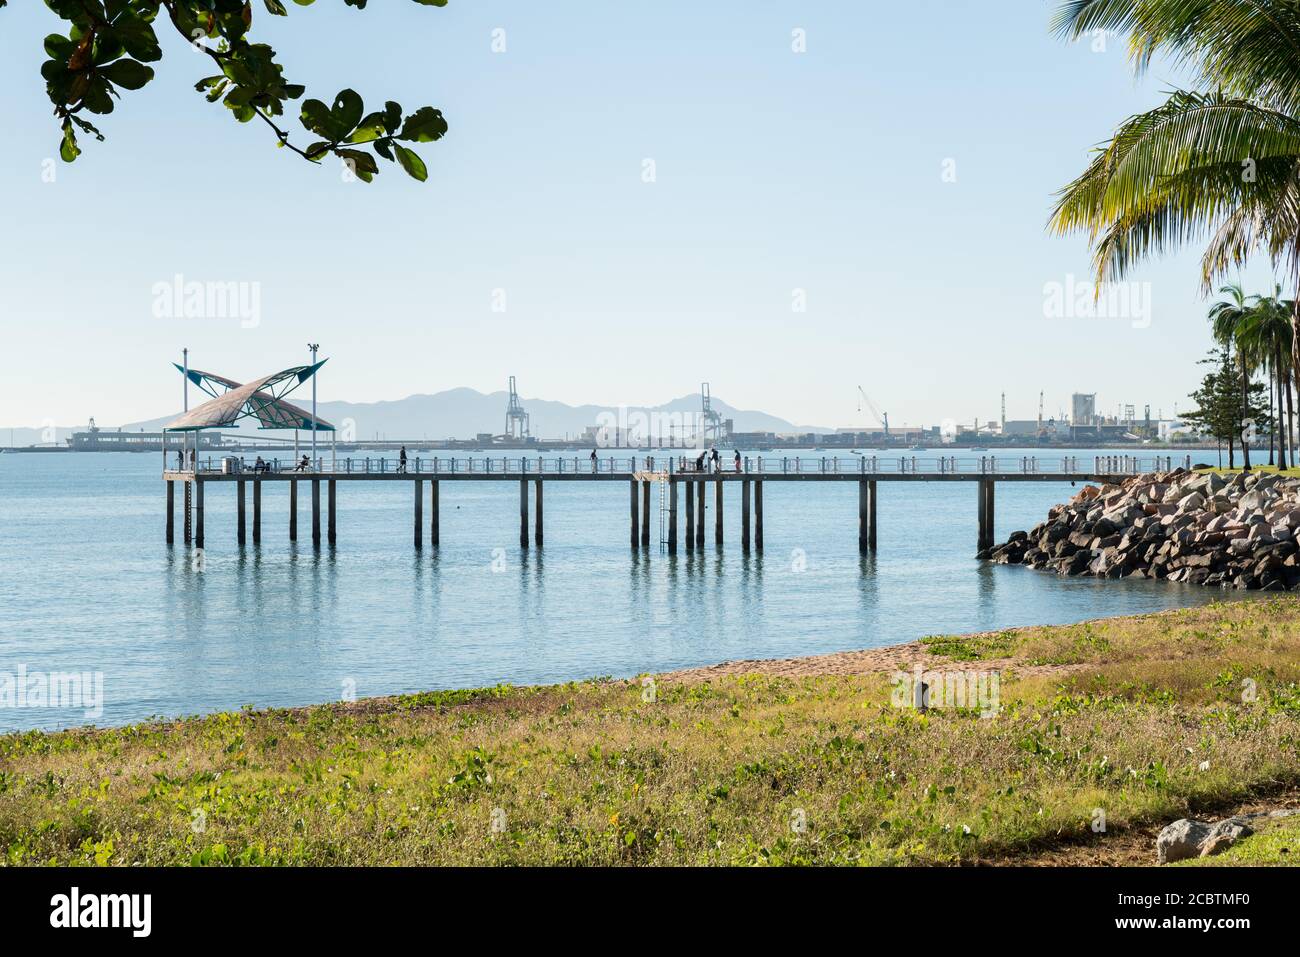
(1136, 846)
(873, 661)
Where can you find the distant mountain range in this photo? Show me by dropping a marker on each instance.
(464, 413)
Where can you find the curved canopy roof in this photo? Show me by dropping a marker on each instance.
(262, 399)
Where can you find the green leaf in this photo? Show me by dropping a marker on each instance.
(363, 164)
(423, 126)
(128, 74)
(315, 115)
(370, 128)
(346, 113)
(276, 8)
(392, 116)
(96, 98)
(105, 51)
(411, 162)
(68, 149)
(58, 47)
(137, 37)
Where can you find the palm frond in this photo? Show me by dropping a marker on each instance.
(1247, 47)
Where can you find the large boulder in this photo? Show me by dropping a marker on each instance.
(1253, 500)
(1185, 839)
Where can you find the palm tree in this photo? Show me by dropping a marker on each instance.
(1219, 166)
(1230, 324)
(1269, 334)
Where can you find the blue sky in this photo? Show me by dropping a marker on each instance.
(775, 171)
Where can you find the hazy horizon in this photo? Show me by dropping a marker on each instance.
(472, 412)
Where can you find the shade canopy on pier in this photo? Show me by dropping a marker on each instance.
(261, 399)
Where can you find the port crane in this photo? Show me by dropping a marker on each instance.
(881, 417)
(518, 424)
(714, 430)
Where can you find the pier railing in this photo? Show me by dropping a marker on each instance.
(756, 465)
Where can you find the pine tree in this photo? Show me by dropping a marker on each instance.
(1218, 402)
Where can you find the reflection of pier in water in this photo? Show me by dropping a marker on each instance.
(681, 489)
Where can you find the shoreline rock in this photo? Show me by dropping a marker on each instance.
(1187, 838)
(1201, 528)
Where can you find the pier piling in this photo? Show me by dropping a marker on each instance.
(333, 527)
(991, 534)
(863, 508)
(866, 517)
(523, 513)
(744, 515)
(699, 513)
(758, 515)
(672, 516)
(198, 514)
(239, 521)
(717, 510)
(419, 513)
(257, 512)
(293, 510)
(645, 513)
(171, 512)
(871, 516)
(636, 516)
(537, 519)
(315, 512)
(985, 538)
(690, 515)
(433, 513)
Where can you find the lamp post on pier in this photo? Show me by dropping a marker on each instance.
(313, 346)
(185, 401)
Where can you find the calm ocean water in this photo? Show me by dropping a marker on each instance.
(88, 585)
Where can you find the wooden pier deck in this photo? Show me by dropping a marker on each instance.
(682, 489)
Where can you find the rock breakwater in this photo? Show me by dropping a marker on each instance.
(1237, 531)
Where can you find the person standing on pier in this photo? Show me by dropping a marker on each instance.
(699, 462)
(401, 460)
(593, 461)
(737, 460)
(717, 459)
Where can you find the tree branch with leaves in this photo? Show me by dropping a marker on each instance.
(109, 43)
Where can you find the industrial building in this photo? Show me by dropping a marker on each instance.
(1083, 409)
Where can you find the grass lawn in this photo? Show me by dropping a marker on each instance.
(1140, 720)
(1272, 469)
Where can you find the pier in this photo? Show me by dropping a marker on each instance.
(682, 489)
